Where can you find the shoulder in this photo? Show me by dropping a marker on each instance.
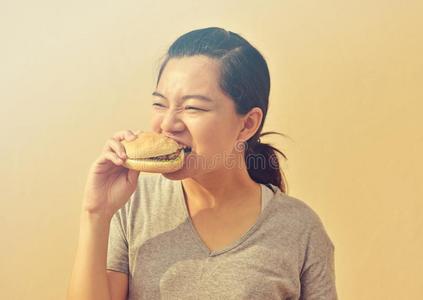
(296, 208)
(300, 217)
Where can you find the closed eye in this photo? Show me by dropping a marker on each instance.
(186, 107)
(194, 108)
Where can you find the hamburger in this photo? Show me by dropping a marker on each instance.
(155, 153)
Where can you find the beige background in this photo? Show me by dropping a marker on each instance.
(346, 88)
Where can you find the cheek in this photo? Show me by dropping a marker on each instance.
(155, 123)
(213, 136)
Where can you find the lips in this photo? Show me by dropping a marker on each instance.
(186, 149)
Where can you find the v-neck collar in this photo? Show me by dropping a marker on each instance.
(266, 194)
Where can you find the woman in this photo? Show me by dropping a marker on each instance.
(222, 227)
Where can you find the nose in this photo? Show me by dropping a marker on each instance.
(171, 122)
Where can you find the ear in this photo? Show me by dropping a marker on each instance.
(250, 123)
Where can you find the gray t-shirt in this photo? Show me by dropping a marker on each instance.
(286, 254)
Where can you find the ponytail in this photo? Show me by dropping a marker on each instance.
(263, 164)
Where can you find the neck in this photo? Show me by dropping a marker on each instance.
(221, 188)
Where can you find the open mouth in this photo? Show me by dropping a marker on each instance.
(187, 149)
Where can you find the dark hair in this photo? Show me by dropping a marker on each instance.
(244, 77)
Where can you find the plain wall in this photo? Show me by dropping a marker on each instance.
(346, 88)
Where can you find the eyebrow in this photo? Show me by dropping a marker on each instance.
(185, 97)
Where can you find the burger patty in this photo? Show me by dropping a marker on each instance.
(171, 156)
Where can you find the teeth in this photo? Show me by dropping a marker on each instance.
(187, 149)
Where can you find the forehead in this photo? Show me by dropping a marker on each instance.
(190, 74)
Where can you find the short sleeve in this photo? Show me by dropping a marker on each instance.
(318, 272)
(117, 252)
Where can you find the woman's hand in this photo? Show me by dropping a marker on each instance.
(110, 185)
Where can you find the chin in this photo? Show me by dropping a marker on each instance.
(177, 175)
(193, 167)
(180, 174)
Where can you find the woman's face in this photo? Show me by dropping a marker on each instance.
(210, 127)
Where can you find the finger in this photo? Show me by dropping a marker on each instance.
(106, 157)
(124, 134)
(133, 176)
(116, 147)
(120, 136)
(113, 158)
(129, 135)
(137, 132)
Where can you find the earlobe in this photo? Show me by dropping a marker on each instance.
(251, 122)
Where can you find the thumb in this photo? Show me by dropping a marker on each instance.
(133, 176)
